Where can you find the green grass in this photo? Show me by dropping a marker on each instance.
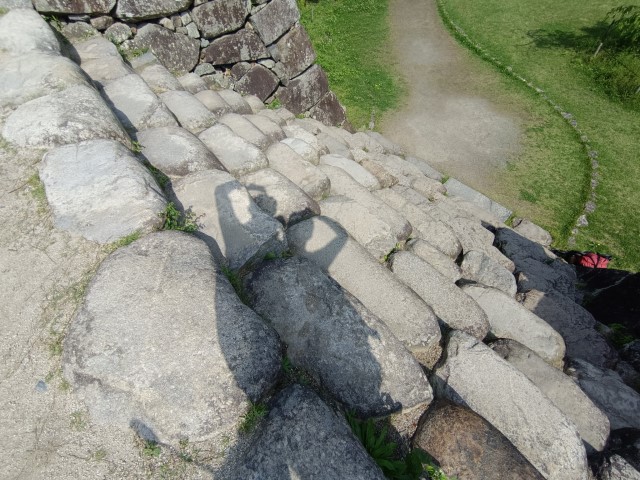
(546, 42)
(350, 38)
(253, 416)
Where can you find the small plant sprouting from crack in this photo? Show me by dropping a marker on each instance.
(253, 416)
(236, 282)
(151, 449)
(123, 242)
(36, 187)
(175, 220)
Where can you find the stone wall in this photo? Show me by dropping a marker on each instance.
(255, 47)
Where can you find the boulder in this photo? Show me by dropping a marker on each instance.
(258, 81)
(101, 23)
(214, 102)
(302, 435)
(329, 246)
(189, 111)
(453, 307)
(512, 404)
(270, 128)
(293, 53)
(592, 424)
(218, 17)
(359, 174)
(479, 267)
(105, 70)
(163, 344)
(329, 110)
(332, 336)
(236, 102)
(236, 154)
(100, 190)
(275, 19)
(136, 10)
(245, 129)
(434, 257)
(467, 447)
(531, 231)
(241, 46)
(305, 90)
(455, 187)
(279, 197)
(426, 169)
(176, 152)
(305, 175)
(178, 53)
(228, 219)
(71, 115)
(24, 31)
(118, 33)
(606, 389)
(75, 7)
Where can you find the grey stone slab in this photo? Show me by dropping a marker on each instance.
(78, 31)
(214, 102)
(413, 322)
(302, 435)
(100, 190)
(475, 376)
(76, 7)
(258, 81)
(220, 16)
(192, 83)
(242, 46)
(69, 116)
(455, 187)
(331, 335)
(135, 10)
(409, 175)
(293, 53)
(189, 111)
(329, 110)
(302, 148)
(334, 145)
(279, 197)
(305, 90)
(434, 257)
(159, 78)
(385, 179)
(479, 267)
(235, 153)
(176, 152)
(229, 220)
(275, 19)
(235, 101)
(270, 128)
(305, 175)
(178, 53)
(592, 423)
(163, 344)
(295, 131)
(546, 277)
(105, 70)
(358, 173)
(24, 31)
(245, 129)
(425, 168)
(453, 307)
(255, 103)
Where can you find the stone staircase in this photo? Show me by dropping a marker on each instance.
(316, 249)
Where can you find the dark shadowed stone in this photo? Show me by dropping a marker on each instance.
(631, 353)
(618, 468)
(74, 6)
(293, 53)
(259, 81)
(240, 69)
(275, 19)
(331, 335)
(468, 447)
(163, 344)
(304, 91)
(329, 110)
(136, 10)
(219, 16)
(303, 437)
(177, 52)
(241, 46)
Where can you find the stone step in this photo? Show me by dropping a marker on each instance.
(245, 129)
(426, 169)
(302, 148)
(190, 112)
(389, 147)
(100, 60)
(159, 78)
(214, 102)
(268, 127)
(358, 173)
(23, 31)
(333, 145)
(237, 155)
(292, 130)
(237, 103)
(409, 175)
(459, 189)
(434, 257)
(192, 83)
(481, 268)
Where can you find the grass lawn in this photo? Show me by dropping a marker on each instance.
(551, 43)
(350, 37)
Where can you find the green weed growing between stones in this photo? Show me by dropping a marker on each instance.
(274, 105)
(158, 175)
(151, 449)
(123, 242)
(36, 187)
(253, 416)
(236, 282)
(175, 220)
(3, 11)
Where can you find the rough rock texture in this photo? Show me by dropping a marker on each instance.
(329, 110)
(159, 78)
(74, 7)
(275, 19)
(258, 81)
(68, 116)
(235, 101)
(509, 319)
(270, 128)
(163, 344)
(99, 190)
(546, 277)
(176, 152)
(592, 423)
(136, 10)
(481, 268)
(189, 111)
(293, 53)
(24, 31)
(179, 53)
(331, 335)
(454, 187)
(302, 438)
(424, 167)
(434, 257)
(304, 91)
(192, 83)
(513, 405)
(279, 197)
(234, 152)
(359, 174)
(618, 468)
(220, 16)
(532, 232)
(228, 219)
(328, 245)
(245, 129)
(241, 46)
(468, 447)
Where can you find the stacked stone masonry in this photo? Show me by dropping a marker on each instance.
(328, 272)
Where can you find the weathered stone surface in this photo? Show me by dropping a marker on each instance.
(192, 83)
(454, 187)
(235, 153)
(302, 148)
(425, 168)
(214, 102)
(74, 6)
(512, 404)
(35, 75)
(434, 257)
(452, 306)
(385, 179)
(270, 128)
(135, 105)
(241, 46)
(255, 103)
(189, 111)
(517, 247)
(176, 152)
(358, 173)
(228, 219)
(407, 174)
(305, 175)
(335, 146)
(220, 16)
(631, 353)
(24, 31)
(327, 244)
(177, 52)
(304, 91)
(99, 190)
(245, 129)
(389, 147)
(293, 53)
(331, 335)
(136, 10)
(279, 197)
(618, 468)
(78, 31)
(479, 267)
(259, 81)
(235, 101)
(467, 447)
(575, 324)
(275, 19)
(126, 352)
(592, 424)
(102, 23)
(160, 79)
(295, 131)
(606, 389)
(532, 232)
(118, 33)
(329, 110)
(546, 277)
(72, 115)
(302, 435)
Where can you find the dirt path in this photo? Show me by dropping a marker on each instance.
(446, 119)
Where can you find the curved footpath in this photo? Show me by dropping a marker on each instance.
(329, 272)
